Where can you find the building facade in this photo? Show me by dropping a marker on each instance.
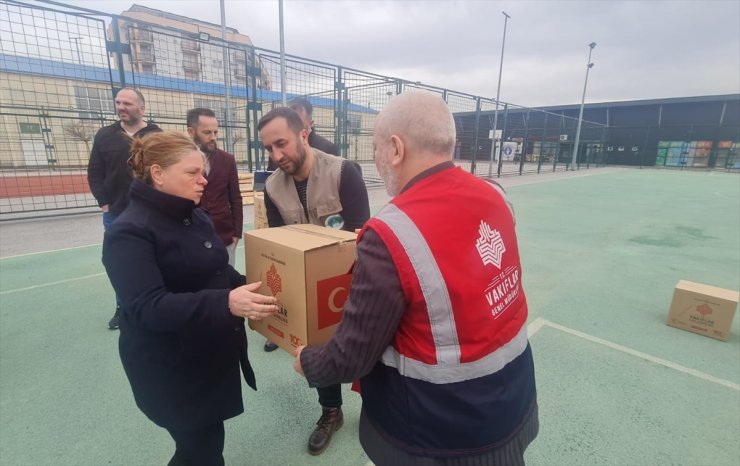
(166, 44)
(687, 132)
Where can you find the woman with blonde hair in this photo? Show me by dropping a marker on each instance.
(182, 339)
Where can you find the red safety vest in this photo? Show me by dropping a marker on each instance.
(453, 243)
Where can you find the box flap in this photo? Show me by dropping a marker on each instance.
(303, 237)
(721, 293)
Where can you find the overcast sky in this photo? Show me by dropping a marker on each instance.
(645, 49)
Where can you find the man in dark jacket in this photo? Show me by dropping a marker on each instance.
(304, 109)
(108, 172)
(222, 198)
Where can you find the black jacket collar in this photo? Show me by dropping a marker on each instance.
(168, 205)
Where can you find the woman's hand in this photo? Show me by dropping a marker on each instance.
(244, 302)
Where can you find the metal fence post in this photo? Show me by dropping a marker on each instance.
(253, 69)
(523, 154)
(477, 127)
(542, 144)
(503, 134)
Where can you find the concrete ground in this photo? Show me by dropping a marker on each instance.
(602, 251)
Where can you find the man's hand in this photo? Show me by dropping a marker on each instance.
(104, 208)
(297, 362)
(235, 241)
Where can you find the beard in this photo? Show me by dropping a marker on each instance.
(207, 147)
(389, 177)
(291, 167)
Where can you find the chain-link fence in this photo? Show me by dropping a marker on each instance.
(61, 65)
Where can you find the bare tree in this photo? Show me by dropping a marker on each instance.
(79, 132)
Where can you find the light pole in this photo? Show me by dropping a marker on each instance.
(227, 82)
(580, 114)
(283, 73)
(498, 93)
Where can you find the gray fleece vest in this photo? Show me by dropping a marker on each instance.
(322, 192)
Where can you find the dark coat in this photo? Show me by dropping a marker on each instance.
(321, 143)
(108, 172)
(180, 346)
(222, 198)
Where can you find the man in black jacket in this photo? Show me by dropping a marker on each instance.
(108, 172)
(304, 109)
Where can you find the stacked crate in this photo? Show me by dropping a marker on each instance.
(246, 187)
(260, 213)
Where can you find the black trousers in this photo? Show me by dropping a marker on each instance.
(202, 447)
(331, 396)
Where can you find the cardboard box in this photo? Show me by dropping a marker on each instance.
(703, 309)
(260, 212)
(306, 267)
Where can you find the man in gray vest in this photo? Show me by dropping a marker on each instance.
(310, 186)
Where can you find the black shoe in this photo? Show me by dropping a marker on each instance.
(330, 421)
(113, 322)
(270, 346)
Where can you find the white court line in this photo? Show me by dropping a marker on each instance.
(647, 357)
(535, 326)
(51, 250)
(17, 290)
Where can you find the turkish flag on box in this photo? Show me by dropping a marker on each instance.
(331, 294)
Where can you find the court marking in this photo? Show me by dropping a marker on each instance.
(537, 324)
(532, 329)
(18, 290)
(50, 251)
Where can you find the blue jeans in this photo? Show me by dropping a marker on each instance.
(108, 218)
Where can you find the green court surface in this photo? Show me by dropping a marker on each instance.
(602, 251)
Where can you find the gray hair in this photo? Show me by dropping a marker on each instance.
(422, 119)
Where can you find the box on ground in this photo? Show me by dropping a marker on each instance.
(306, 267)
(703, 309)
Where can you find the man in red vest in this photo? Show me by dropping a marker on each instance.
(435, 323)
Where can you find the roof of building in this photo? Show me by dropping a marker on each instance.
(638, 103)
(175, 17)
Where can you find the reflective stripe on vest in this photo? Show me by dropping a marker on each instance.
(448, 369)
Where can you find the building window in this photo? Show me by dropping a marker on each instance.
(190, 61)
(93, 103)
(191, 66)
(29, 128)
(146, 53)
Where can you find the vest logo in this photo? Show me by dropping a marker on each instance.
(490, 245)
(331, 294)
(274, 282)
